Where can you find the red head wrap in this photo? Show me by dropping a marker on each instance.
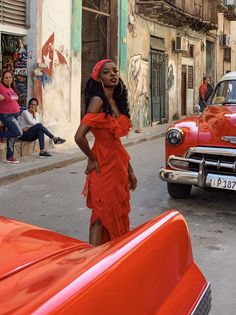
(97, 69)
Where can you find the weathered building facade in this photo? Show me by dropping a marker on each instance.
(69, 40)
(163, 49)
(171, 46)
(52, 48)
(226, 38)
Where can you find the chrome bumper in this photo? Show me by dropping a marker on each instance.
(204, 304)
(190, 178)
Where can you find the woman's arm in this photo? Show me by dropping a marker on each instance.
(95, 106)
(82, 142)
(132, 177)
(28, 118)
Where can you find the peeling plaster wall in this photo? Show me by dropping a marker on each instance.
(31, 41)
(138, 58)
(56, 47)
(233, 44)
(223, 28)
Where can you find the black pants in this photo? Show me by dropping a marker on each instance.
(36, 132)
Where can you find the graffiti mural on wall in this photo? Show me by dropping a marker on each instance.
(138, 74)
(51, 81)
(48, 55)
(170, 77)
(21, 75)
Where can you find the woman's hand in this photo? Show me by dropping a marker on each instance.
(132, 181)
(32, 111)
(2, 97)
(92, 165)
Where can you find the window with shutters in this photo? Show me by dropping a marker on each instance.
(190, 77)
(13, 12)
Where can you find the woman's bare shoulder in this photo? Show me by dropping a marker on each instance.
(95, 105)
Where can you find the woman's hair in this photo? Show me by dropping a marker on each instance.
(3, 75)
(33, 99)
(120, 95)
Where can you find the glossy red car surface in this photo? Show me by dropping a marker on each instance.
(201, 150)
(149, 271)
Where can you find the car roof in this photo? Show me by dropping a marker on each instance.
(229, 76)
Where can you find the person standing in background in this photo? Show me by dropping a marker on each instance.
(209, 88)
(203, 93)
(9, 111)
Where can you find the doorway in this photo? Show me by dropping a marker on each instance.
(99, 35)
(158, 86)
(210, 59)
(14, 58)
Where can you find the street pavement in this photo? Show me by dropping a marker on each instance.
(67, 154)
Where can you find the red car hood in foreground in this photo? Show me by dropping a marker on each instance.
(22, 245)
(148, 271)
(215, 123)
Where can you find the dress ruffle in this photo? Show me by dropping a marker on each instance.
(118, 127)
(108, 192)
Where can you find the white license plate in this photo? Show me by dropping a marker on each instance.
(222, 183)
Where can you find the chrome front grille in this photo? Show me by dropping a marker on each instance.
(204, 305)
(216, 160)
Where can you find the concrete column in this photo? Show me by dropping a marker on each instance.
(76, 38)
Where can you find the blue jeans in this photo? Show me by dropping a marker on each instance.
(36, 132)
(14, 131)
(202, 105)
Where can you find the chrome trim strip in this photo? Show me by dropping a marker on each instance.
(217, 164)
(207, 289)
(191, 178)
(230, 139)
(209, 150)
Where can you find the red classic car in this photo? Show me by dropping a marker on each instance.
(201, 150)
(148, 271)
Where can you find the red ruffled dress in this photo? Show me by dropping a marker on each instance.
(108, 192)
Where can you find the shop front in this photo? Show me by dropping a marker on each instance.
(14, 58)
(13, 50)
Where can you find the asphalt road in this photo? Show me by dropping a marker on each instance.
(53, 200)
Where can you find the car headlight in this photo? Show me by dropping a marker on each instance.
(174, 136)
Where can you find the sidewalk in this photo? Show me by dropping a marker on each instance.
(66, 154)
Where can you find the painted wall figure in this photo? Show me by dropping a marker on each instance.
(138, 73)
(54, 91)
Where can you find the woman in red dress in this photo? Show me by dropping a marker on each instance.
(109, 173)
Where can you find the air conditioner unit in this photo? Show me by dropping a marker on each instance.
(225, 40)
(181, 44)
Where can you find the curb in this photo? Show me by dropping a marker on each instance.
(39, 170)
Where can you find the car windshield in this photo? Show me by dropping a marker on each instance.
(225, 93)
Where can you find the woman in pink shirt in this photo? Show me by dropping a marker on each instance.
(9, 110)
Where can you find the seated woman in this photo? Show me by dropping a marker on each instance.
(33, 129)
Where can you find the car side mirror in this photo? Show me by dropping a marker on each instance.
(197, 109)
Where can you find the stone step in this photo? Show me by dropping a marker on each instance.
(21, 148)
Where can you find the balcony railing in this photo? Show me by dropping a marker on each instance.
(197, 14)
(231, 9)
